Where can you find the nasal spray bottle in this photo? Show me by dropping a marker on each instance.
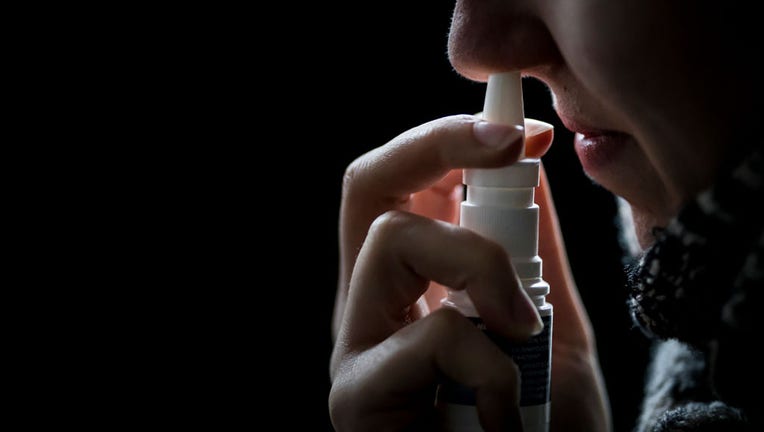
(500, 206)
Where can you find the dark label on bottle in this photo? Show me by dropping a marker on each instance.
(533, 357)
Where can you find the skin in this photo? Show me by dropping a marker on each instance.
(650, 71)
(643, 68)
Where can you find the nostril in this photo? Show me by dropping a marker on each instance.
(484, 41)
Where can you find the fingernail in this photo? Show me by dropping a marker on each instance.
(495, 135)
(526, 314)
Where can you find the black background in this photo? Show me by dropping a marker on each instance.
(352, 79)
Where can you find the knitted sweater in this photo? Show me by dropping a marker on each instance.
(695, 291)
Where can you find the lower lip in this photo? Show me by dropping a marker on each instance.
(597, 151)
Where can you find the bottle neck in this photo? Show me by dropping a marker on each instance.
(500, 206)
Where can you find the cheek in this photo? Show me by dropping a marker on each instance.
(592, 41)
(625, 55)
(605, 70)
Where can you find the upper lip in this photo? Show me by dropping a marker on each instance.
(583, 128)
(578, 123)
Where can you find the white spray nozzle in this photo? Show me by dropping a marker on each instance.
(504, 105)
(504, 100)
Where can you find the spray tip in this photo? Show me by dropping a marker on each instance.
(504, 100)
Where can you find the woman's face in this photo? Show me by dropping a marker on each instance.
(647, 86)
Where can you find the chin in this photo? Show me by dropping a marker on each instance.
(644, 225)
(636, 228)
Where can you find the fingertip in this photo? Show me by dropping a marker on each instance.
(520, 323)
(525, 314)
(538, 138)
(536, 146)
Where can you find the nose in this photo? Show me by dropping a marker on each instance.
(499, 35)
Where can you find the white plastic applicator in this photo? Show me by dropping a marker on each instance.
(504, 101)
(500, 206)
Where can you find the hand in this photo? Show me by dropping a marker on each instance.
(399, 245)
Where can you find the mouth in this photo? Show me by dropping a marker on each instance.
(596, 148)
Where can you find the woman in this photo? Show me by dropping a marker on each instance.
(662, 96)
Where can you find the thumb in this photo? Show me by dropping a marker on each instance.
(573, 324)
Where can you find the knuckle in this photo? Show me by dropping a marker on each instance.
(447, 321)
(390, 224)
(352, 173)
(338, 406)
(343, 402)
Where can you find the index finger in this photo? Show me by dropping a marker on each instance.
(385, 178)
